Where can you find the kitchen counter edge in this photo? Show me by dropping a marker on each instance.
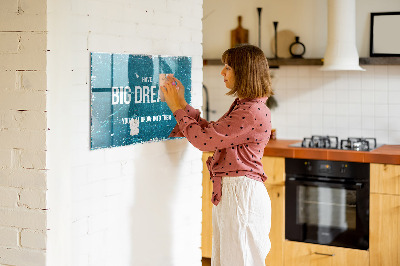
(386, 154)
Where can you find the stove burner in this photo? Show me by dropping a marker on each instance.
(358, 144)
(332, 142)
(328, 142)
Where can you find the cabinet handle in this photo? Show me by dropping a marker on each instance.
(324, 254)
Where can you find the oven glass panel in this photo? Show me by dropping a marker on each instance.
(326, 207)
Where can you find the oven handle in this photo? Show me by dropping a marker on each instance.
(357, 185)
(324, 254)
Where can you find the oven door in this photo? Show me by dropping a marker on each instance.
(327, 213)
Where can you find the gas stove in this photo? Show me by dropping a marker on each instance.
(332, 142)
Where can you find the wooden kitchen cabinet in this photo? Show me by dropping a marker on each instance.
(305, 254)
(384, 236)
(274, 168)
(277, 233)
(385, 178)
(206, 225)
(385, 215)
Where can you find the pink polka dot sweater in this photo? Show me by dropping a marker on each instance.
(238, 139)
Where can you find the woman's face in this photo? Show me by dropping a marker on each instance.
(229, 76)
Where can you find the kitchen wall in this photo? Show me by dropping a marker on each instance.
(342, 103)
(60, 202)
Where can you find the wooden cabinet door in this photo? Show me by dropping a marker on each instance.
(206, 225)
(274, 168)
(277, 233)
(385, 178)
(384, 237)
(304, 254)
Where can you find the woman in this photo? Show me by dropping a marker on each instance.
(242, 211)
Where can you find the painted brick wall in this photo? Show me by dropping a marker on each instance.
(134, 205)
(23, 132)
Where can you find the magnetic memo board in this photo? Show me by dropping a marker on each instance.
(125, 103)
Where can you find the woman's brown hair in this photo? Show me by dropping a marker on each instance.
(250, 66)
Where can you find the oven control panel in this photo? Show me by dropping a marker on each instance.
(337, 169)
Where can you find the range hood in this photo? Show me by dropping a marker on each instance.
(341, 51)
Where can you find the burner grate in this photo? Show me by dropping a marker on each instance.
(358, 144)
(327, 142)
(332, 142)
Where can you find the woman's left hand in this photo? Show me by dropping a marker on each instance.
(170, 90)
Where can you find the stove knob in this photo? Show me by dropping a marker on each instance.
(343, 168)
(308, 166)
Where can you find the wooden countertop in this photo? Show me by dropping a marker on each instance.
(389, 154)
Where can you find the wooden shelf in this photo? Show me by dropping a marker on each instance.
(380, 61)
(274, 63)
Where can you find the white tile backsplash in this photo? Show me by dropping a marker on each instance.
(381, 71)
(381, 83)
(343, 103)
(394, 82)
(394, 110)
(394, 123)
(381, 122)
(381, 110)
(367, 96)
(367, 110)
(382, 136)
(342, 109)
(394, 97)
(342, 123)
(292, 82)
(394, 136)
(304, 82)
(381, 96)
(329, 109)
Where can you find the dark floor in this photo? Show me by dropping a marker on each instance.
(206, 261)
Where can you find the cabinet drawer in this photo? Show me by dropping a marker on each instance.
(304, 254)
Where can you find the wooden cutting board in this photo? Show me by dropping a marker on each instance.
(239, 35)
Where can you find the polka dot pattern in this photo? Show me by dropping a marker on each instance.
(238, 139)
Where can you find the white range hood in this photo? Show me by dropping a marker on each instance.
(341, 51)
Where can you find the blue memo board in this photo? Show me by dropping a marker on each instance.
(125, 101)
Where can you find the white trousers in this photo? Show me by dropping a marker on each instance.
(241, 223)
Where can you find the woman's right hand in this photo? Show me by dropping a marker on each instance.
(181, 91)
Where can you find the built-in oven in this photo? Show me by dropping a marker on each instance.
(327, 202)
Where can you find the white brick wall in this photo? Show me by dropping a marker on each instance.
(33, 239)
(9, 237)
(100, 201)
(23, 132)
(8, 197)
(134, 205)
